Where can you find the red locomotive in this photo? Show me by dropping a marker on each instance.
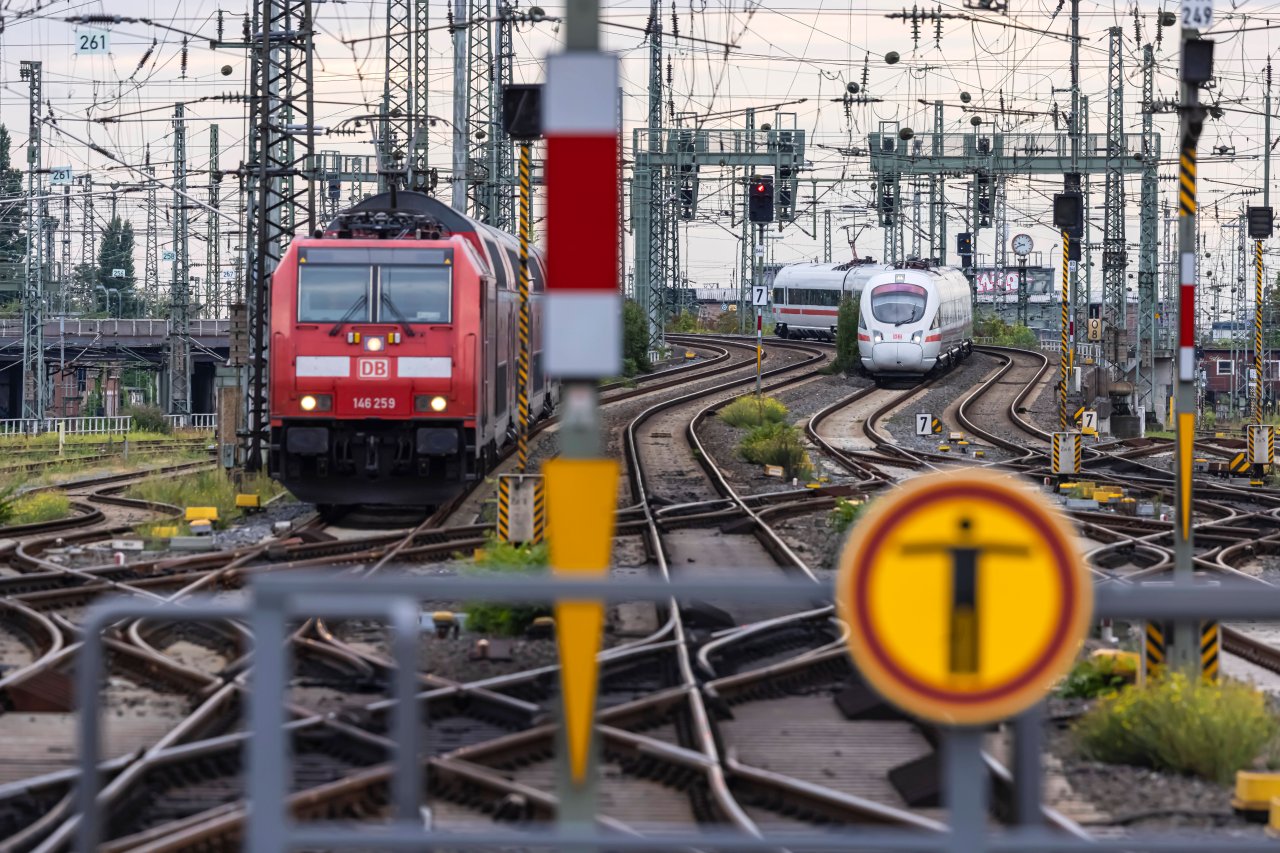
(393, 354)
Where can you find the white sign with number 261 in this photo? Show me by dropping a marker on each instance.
(92, 42)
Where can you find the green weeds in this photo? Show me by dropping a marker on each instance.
(1180, 724)
(505, 619)
(753, 411)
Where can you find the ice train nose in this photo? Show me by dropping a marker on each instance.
(898, 357)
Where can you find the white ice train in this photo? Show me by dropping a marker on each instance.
(914, 318)
(806, 296)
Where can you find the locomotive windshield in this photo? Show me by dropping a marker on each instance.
(898, 303)
(329, 293)
(418, 294)
(354, 285)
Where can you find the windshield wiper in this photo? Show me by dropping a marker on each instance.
(399, 315)
(356, 306)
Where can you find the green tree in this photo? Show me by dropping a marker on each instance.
(13, 237)
(635, 339)
(115, 252)
(846, 337)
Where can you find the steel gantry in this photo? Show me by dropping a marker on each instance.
(653, 278)
(500, 169)
(661, 151)
(213, 230)
(33, 372)
(1114, 250)
(395, 118)
(179, 343)
(480, 108)
(1000, 214)
(281, 148)
(151, 240)
(418, 162)
(938, 198)
(88, 232)
(1148, 247)
(997, 154)
(64, 271)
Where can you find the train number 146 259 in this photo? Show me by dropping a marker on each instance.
(380, 404)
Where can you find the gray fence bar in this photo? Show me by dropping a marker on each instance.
(277, 599)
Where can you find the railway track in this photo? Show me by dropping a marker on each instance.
(690, 711)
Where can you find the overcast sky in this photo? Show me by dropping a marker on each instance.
(757, 56)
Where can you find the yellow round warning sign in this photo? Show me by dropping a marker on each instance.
(966, 597)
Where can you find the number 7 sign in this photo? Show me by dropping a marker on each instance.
(924, 423)
(759, 296)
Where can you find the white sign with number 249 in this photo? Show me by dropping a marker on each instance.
(1197, 14)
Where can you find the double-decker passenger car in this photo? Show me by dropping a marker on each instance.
(914, 318)
(394, 340)
(807, 296)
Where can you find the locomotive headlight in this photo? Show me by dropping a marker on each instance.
(308, 403)
(423, 403)
(917, 337)
(316, 402)
(876, 337)
(373, 344)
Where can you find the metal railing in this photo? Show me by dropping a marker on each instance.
(101, 425)
(278, 600)
(110, 328)
(203, 421)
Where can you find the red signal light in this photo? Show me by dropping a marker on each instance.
(759, 188)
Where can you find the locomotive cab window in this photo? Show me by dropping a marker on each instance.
(332, 292)
(418, 294)
(346, 285)
(898, 303)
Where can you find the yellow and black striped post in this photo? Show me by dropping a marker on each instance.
(1257, 332)
(1066, 453)
(1064, 355)
(522, 361)
(1153, 647)
(1155, 651)
(522, 508)
(1210, 646)
(504, 509)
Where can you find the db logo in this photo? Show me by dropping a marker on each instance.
(373, 368)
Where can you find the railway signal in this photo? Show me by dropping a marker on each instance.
(760, 200)
(964, 248)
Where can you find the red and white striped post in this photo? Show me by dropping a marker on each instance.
(582, 342)
(583, 330)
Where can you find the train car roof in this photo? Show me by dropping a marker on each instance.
(408, 201)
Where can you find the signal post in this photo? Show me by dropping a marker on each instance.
(1261, 436)
(582, 342)
(1196, 69)
(759, 213)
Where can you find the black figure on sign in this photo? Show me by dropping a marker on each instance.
(964, 592)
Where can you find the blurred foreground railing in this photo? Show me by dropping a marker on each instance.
(279, 600)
